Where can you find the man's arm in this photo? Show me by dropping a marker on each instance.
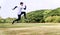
(14, 8)
(25, 7)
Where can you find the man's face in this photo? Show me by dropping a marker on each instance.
(21, 4)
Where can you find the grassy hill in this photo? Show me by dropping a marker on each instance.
(42, 16)
(38, 16)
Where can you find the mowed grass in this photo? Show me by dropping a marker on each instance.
(19, 25)
(30, 29)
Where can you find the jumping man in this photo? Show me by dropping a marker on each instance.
(21, 10)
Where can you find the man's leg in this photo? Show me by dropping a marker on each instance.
(25, 15)
(19, 17)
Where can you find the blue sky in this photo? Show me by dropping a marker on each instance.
(7, 5)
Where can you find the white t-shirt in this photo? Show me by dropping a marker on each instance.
(21, 9)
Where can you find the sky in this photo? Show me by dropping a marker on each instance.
(32, 5)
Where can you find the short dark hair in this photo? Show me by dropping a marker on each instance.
(21, 2)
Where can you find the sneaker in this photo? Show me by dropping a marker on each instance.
(13, 22)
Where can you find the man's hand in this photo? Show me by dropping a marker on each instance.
(25, 8)
(12, 9)
(0, 7)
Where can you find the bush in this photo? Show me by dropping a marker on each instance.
(35, 17)
(54, 19)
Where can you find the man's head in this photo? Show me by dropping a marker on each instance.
(21, 3)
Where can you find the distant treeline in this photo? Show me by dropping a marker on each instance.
(6, 20)
(38, 16)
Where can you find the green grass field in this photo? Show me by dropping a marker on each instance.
(19, 25)
(30, 29)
